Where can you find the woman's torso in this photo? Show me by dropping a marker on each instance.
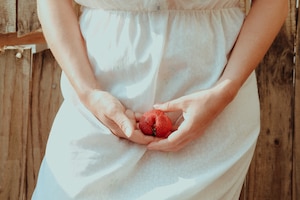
(144, 52)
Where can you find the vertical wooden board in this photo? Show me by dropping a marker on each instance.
(46, 99)
(8, 16)
(296, 145)
(270, 172)
(27, 17)
(15, 74)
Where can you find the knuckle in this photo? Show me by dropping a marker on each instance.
(111, 110)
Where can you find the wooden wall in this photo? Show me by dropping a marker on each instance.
(296, 114)
(272, 174)
(30, 96)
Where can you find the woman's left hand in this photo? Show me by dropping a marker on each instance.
(201, 108)
(198, 111)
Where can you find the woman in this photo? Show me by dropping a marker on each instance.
(193, 59)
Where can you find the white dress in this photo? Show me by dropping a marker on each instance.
(144, 52)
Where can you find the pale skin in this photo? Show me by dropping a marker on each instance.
(61, 30)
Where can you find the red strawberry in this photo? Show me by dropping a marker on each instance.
(156, 123)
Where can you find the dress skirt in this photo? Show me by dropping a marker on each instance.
(146, 52)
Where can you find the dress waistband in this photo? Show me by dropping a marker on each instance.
(157, 5)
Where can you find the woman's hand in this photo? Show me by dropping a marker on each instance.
(121, 121)
(63, 35)
(198, 111)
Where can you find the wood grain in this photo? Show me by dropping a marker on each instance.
(8, 16)
(296, 139)
(15, 74)
(12, 39)
(27, 19)
(269, 177)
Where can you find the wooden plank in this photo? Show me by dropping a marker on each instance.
(296, 145)
(46, 99)
(27, 19)
(15, 74)
(270, 172)
(12, 39)
(8, 16)
(27, 16)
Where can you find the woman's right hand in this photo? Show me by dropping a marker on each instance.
(121, 121)
(62, 33)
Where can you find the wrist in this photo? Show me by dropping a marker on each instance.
(87, 92)
(227, 89)
(90, 96)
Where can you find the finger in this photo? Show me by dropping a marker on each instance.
(135, 136)
(138, 116)
(168, 144)
(176, 141)
(113, 127)
(177, 123)
(130, 114)
(169, 106)
(124, 123)
(139, 138)
(164, 145)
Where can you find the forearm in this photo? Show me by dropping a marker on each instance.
(61, 29)
(257, 34)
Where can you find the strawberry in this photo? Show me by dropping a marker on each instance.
(156, 123)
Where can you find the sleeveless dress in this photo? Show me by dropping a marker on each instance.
(145, 52)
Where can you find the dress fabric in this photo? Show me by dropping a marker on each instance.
(145, 52)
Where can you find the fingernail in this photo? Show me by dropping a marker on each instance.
(128, 132)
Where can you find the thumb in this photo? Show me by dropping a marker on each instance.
(124, 124)
(169, 106)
